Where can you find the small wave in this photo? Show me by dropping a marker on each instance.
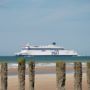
(13, 65)
(45, 64)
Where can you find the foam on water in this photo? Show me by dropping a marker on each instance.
(15, 65)
(45, 64)
(12, 65)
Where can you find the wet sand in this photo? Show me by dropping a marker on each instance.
(46, 82)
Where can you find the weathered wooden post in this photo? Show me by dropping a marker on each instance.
(78, 76)
(60, 75)
(88, 75)
(31, 75)
(4, 73)
(21, 73)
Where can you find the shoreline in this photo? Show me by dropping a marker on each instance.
(45, 70)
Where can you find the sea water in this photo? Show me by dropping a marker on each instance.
(44, 60)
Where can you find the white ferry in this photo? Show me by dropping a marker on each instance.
(52, 49)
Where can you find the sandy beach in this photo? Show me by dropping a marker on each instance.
(45, 79)
(45, 82)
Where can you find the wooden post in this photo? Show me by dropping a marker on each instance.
(31, 75)
(60, 75)
(4, 77)
(78, 76)
(21, 73)
(88, 75)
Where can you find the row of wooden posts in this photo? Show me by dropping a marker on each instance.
(60, 75)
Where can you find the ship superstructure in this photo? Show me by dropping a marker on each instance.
(52, 49)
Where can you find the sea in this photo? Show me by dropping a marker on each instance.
(44, 60)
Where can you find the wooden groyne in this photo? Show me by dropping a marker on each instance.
(78, 76)
(88, 75)
(60, 75)
(21, 74)
(31, 75)
(4, 76)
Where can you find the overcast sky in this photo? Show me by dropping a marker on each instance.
(41, 22)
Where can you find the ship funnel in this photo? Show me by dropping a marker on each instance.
(54, 43)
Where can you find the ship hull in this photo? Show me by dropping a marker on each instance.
(46, 55)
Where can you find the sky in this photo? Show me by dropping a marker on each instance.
(41, 22)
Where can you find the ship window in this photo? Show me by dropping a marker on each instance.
(46, 49)
(43, 50)
(61, 48)
(25, 48)
(36, 46)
